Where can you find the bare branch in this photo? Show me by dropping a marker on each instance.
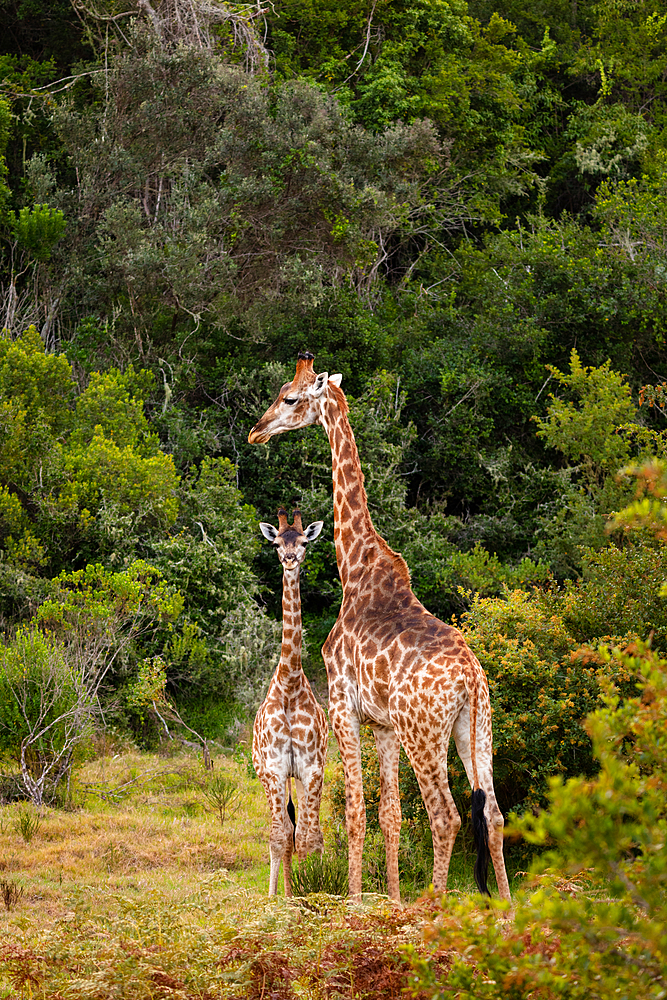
(191, 23)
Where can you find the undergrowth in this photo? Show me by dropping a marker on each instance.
(139, 891)
(325, 873)
(196, 947)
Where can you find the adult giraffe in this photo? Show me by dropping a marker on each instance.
(392, 664)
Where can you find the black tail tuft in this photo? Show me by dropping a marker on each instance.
(480, 834)
(291, 812)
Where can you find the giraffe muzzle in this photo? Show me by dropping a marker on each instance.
(258, 436)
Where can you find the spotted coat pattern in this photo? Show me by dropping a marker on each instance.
(390, 663)
(290, 730)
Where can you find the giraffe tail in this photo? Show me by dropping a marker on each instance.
(291, 812)
(480, 830)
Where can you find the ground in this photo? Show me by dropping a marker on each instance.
(135, 889)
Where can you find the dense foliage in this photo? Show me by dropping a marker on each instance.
(459, 206)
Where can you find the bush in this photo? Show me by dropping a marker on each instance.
(543, 683)
(52, 671)
(319, 873)
(618, 594)
(46, 709)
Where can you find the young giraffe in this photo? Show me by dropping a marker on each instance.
(392, 664)
(290, 732)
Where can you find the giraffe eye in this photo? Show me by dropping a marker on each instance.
(291, 401)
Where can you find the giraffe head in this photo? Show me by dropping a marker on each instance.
(290, 540)
(299, 402)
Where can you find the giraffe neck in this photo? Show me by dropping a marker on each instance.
(290, 651)
(357, 542)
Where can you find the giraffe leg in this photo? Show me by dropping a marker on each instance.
(309, 838)
(388, 748)
(314, 783)
(492, 813)
(289, 848)
(301, 820)
(496, 824)
(322, 739)
(346, 730)
(277, 852)
(274, 789)
(313, 839)
(278, 838)
(443, 815)
(445, 824)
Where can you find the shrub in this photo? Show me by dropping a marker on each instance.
(46, 708)
(52, 671)
(542, 685)
(11, 892)
(221, 793)
(619, 593)
(27, 825)
(319, 873)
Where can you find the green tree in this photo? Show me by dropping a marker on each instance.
(626, 51)
(5, 128)
(594, 430)
(585, 430)
(101, 473)
(203, 192)
(36, 382)
(52, 673)
(71, 463)
(38, 230)
(227, 648)
(36, 392)
(115, 402)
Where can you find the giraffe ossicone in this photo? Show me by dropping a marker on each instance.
(392, 664)
(290, 731)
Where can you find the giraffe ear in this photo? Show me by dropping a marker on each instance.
(313, 530)
(319, 385)
(336, 380)
(268, 531)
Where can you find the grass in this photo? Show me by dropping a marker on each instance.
(135, 889)
(317, 874)
(27, 824)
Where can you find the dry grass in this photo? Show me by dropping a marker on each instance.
(137, 890)
(158, 825)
